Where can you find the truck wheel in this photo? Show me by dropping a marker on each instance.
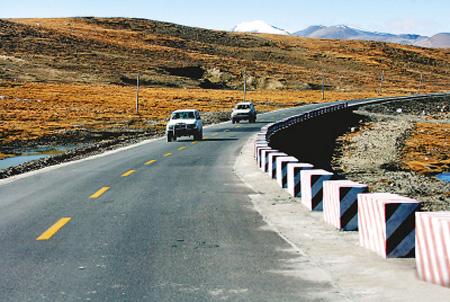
(198, 136)
(169, 136)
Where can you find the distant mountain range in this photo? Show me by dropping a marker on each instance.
(345, 32)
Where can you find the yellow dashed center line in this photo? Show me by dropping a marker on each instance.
(150, 162)
(226, 130)
(100, 192)
(128, 173)
(214, 134)
(283, 114)
(181, 148)
(238, 127)
(53, 229)
(167, 154)
(194, 142)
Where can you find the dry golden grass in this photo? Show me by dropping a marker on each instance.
(32, 110)
(427, 150)
(73, 73)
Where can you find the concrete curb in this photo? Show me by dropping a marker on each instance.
(357, 274)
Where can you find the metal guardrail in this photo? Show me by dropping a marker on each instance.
(363, 102)
(270, 129)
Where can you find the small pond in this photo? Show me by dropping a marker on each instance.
(27, 156)
(443, 177)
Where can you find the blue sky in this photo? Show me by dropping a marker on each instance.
(393, 16)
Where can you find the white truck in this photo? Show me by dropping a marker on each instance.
(185, 122)
(243, 111)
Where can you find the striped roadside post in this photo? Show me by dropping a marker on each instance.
(386, 224)
(294, 179)
(340, 203)
(273, 162)
(312, 187)
(265, 158)
(433, 247)
(259, 154)
(282, 163)
(259, 144)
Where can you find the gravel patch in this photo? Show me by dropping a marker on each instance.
(372, 156)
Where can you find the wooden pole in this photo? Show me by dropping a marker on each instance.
(137, 94)
(323, 84)
(381, 83)
(420, 83)
(245, 84)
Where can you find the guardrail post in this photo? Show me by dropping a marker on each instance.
(340, 203)
(312, 188)
(386, 224)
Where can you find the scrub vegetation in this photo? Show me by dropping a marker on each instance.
(71, 75)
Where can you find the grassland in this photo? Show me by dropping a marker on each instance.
(80, 73)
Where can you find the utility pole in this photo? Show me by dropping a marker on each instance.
(137, 94)
(245, 84)
(420, 83)
(381, 83)
(323, 84)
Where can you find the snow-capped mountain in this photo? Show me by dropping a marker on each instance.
(353, 33)
(346, 32)
(259, 26)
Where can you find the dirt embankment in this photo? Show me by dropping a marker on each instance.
(381, 155)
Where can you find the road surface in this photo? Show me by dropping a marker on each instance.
(155, 222)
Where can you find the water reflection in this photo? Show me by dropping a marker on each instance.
(33, 155)
(443, 177)
(18, 160)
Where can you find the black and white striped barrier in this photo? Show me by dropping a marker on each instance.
(312, 188)
(294, 179)
(340, 203)
(265, 158)
(282, 169)
(386, 224)
(258, 147)
(259, 144)
(385, 221)
(273, 163)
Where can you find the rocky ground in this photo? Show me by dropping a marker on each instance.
(373, 154)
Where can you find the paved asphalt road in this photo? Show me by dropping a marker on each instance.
(179, 226)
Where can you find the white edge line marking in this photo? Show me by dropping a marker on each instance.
(50, 168)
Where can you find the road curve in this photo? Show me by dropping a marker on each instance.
(155, 222)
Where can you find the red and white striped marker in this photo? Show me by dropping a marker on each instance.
(433, 247)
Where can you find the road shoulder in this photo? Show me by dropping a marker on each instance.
(359, 274)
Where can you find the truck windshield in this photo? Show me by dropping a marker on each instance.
(183, 115)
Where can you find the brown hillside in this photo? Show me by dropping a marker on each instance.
(77, 73)
(110, 51)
